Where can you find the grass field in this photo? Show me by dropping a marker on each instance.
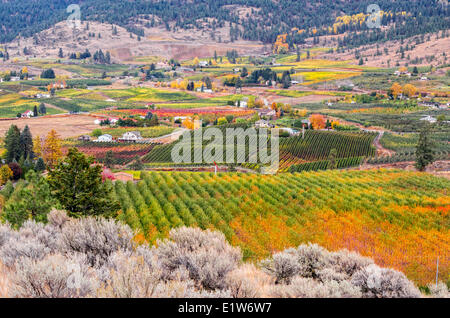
(400, 219)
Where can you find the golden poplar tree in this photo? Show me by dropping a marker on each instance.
(52, 148)
(37, 147)
(409, 90)
(396, 89)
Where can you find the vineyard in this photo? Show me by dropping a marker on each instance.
(298, 154)
(175, 112)
(400, 219)
(122, 153)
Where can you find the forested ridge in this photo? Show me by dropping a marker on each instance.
(264, 20)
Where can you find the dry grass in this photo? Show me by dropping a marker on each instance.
(66, 125)
(4, 282)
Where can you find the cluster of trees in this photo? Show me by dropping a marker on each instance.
(259, 76)
(407, 90)
(149, 120)
(79, 55)
(101, 57)
(23, 153)
(74, 184)
(22, 74)
(48, 73)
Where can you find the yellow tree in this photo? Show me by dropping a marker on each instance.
(396, 89)
(52, 148)
(37, 147)
(188, 123)
(5, 174)
(302, 112)
(409, 90)
(251, 102)
(196, 61)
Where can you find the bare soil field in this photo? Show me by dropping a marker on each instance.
(66, 125)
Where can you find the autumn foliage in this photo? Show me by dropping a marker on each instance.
(376, 213)
(317, 121)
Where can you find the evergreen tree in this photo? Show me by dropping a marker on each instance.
(137, 164)
(238, 85)
(12, 144)
(40, 165)
(60, 53)
(332, 159)
(109, 158)
(35, 111)
(26, 143)
(244, 72)
(42, 109)
(33, 201)
(49, 73)
(77, 184)
(424, 149)
(286, 79)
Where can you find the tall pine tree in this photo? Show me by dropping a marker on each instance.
(12, 144)
(26, 143)
(424, 149)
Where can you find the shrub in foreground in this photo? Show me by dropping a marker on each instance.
(97, 258)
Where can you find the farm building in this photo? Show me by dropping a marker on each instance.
(104, 138)
(131, 136)
(262, 124)
(27, 114)
(266, 112)
(429, 119)
(84, 138)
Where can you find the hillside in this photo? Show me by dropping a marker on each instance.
(248, 19)
(123, 45)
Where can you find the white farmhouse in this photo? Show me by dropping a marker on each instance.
(429, 119)
(242, 104)
(105, 138)
(131, 136)
(262, 124)
(27, 114)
